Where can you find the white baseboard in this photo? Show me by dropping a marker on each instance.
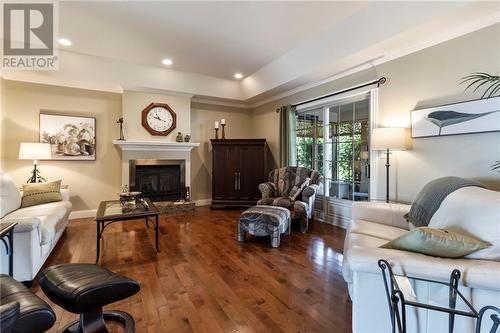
(81, 214)
(203, 202)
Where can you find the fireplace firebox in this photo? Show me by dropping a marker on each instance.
(159, 180)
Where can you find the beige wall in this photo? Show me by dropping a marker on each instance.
(203, 116)
(93, 181)
(135, 102)
(426, 78)
(90, 181)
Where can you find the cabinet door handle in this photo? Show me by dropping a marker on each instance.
(235, 180)
(239, 180)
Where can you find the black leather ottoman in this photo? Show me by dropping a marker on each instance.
(21, 310)
(85, 289)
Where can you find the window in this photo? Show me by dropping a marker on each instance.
(310, 139)
(334, 140)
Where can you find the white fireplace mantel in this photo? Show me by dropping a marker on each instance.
(129, 145)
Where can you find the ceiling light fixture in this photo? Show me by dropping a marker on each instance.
(167, 62)
(238, 76)
(64, 42)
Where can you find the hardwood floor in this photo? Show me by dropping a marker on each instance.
(204, 280)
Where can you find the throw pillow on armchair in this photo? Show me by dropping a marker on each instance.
(297, 190)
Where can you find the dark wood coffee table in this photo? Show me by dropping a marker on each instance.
(112, 211)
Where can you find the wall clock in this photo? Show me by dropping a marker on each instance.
(158, 119)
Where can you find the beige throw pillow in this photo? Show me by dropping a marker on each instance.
(40, 193)
(437, 243)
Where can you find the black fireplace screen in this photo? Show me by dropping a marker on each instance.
(158, 182)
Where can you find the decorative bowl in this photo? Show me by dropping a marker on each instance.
(127, 196)
(128, 199)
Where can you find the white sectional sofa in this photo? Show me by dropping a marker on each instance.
(470, 210)
(38, 230)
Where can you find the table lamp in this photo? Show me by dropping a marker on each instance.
(35, 151)
(388, 139)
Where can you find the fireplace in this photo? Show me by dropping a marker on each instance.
(159, 180)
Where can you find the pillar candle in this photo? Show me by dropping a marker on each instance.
(223, 121)
(216, 124)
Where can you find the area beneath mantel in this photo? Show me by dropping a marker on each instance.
(137, 145)
(133, 150)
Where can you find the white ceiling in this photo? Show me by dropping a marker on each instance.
(279, 46)
(211, 38)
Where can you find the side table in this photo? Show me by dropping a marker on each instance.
(7, 232)
(400, 294)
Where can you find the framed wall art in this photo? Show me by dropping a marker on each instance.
(477, 116)
(71, 137)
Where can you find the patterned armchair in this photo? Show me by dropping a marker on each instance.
(293, 188)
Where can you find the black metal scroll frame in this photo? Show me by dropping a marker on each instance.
(9, 249)
(397, 302)
(101, 225)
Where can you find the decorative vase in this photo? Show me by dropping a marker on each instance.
(187, 138)
(179, 137)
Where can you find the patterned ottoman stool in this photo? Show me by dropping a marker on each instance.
(264, 221)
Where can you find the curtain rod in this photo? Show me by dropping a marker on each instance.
(378, 82)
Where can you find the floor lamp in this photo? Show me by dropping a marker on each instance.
(35, 151)
(388, 139)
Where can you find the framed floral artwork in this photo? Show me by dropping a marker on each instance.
(70, 137)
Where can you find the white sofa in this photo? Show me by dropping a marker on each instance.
(470, 210)
(38, 230)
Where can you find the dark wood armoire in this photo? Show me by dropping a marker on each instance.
(238, 167)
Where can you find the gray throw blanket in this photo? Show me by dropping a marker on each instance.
(432, 195)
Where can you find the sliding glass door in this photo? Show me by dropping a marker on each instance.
(334, 139)
(347, 171)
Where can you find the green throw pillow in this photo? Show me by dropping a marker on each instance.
(437, 243)
(40, 193)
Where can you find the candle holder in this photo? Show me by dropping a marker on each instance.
(223, 132)
(216, 133)
(120, 121)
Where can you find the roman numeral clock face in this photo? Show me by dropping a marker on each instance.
(158, 119)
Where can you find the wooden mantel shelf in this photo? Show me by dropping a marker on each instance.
(131, 145)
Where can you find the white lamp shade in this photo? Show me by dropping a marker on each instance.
(392, 138)
(34, 151)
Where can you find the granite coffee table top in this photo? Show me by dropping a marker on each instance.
(172, 207)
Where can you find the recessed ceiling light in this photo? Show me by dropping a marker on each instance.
(167, 62)
(64, 42)
(238, 76)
